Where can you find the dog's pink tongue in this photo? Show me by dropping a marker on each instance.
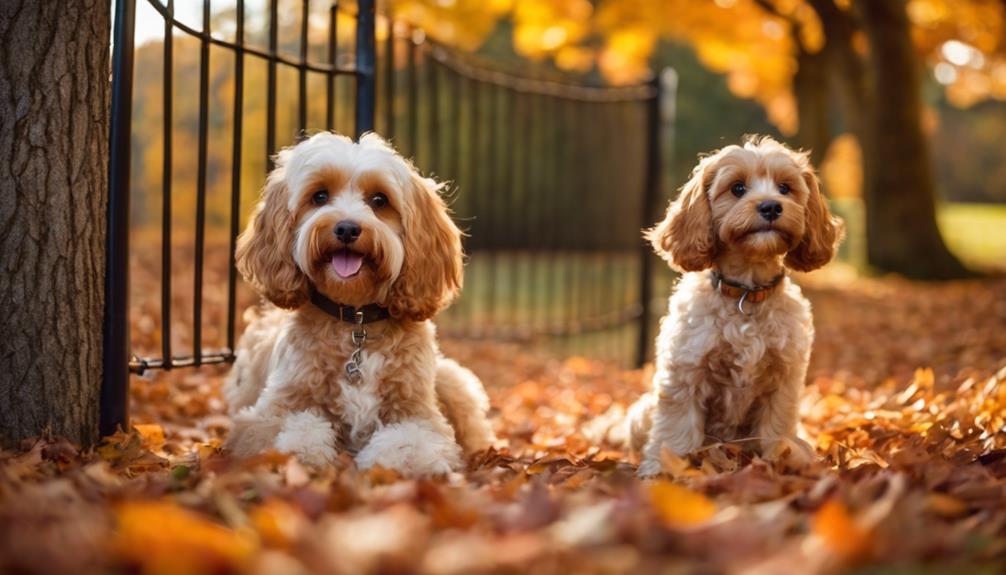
(347, 263)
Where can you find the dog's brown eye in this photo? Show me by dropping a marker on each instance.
(320, 198)
(738, 189)
(378, 200)
(784, 189)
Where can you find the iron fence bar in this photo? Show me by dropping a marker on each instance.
(491, 176)
(526, 259)
(305, 6)
(113, 410)
(197, 288)
(454, 98)
(389, 80)
(412, 94)
(270, 112)
(366, 85)
(506, 198)
(333, 38)
(140, 366)
(651, 195)
(166, 214)
(492, 75)
(552, 215)
(239, 85)
(581, 326)
(433, 140)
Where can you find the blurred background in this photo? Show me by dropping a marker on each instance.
(564, 126)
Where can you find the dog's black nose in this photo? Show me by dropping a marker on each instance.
(347, 231)
(770, 210)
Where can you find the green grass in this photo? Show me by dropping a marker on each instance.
(976, 233)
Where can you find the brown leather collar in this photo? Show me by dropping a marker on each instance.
(744, 293)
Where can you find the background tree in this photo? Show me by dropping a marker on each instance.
(820, 68)
(54, 91)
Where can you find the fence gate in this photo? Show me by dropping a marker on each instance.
(555, 179)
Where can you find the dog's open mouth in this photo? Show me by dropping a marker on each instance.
(347, 263)
(768, 230)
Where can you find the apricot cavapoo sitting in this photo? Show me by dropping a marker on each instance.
(356, 251)
(733, 349)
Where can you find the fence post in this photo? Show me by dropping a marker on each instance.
(659, 110)
(114, 403)
(366, 63)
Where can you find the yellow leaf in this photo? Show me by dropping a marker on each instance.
(120, 447)
(679, 506)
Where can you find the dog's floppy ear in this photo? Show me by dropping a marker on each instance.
(265, 249)
(685, 236)
(822, 231)
(432, 272)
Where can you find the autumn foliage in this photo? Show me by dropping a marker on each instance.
(753, 42)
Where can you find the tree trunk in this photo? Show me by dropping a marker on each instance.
(54, 113)
(810, 86)
(900, 192)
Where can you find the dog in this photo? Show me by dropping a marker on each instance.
(355, 251)
(733, 349)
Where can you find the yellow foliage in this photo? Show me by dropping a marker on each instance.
(741, 39)
(842, 168)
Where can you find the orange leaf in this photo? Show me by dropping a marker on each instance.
(162, 538)
(276, 522)
(151, 434)
(836, 527)
(679, 506)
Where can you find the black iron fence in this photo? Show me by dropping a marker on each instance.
(554, 180)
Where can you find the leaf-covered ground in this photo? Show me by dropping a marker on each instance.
(906, 401)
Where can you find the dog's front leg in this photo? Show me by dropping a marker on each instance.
(678, 419)
(415, 438)
(285, 419)
(777, 423)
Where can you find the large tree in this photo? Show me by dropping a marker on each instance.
(54, 96)
(879, 93)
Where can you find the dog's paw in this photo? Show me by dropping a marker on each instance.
(412, 448)
(309, 437)
(790, 450)
(649, 469)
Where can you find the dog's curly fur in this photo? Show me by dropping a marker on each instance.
(413, 410)
(720, 374)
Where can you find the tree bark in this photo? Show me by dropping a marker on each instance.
(901, 230)
(54, 117)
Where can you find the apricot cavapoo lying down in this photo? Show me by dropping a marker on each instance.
(356, 252)
(733, 349)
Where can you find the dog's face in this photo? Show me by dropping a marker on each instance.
(761, 200)
(357, 222)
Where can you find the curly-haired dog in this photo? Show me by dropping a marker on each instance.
(733, 349)
(356, 251)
